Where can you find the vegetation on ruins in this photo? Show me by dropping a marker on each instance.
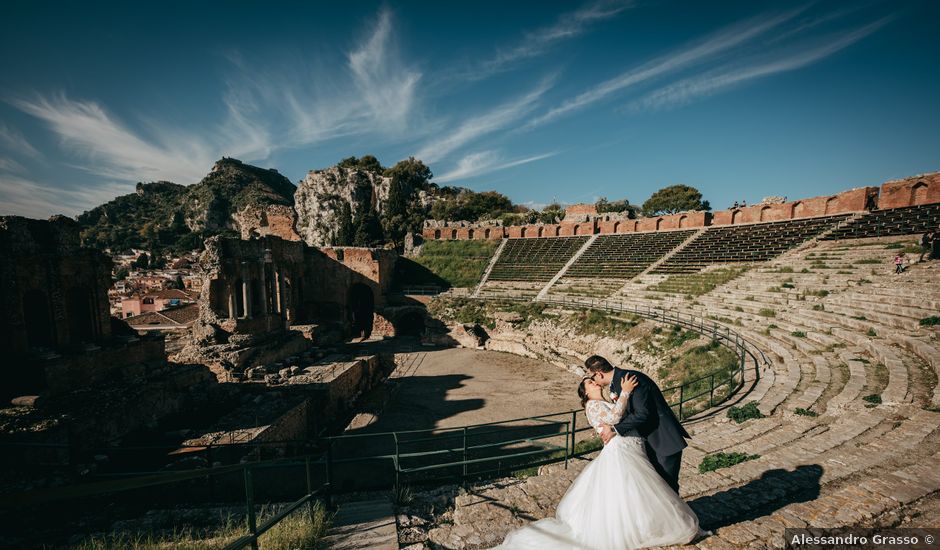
(931, 321)
(717, 461)
(592, 321)
(604, 206)
(164, 216)
(800, 411)
(673, 199)
(697, 284)
(746, 412)
(447, 263)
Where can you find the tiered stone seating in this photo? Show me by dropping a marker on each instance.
(895, 221)
(745, 243)
(839, 327)
(625, 256)
(534, 259)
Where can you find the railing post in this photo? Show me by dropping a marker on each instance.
(681, 400)
(464, 478)
(574, 430)
(397, 465)
(250, 507)
(571, 432)
(309, 489)
(329, 473)
(711, 390)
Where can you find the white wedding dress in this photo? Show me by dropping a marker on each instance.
(618, 502)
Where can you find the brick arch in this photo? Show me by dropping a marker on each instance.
(437, 233)
(486, 233)
(659, 223)
(541, 231)
(683, 221)
(575, 229)
(763, 213)
(470, 234)
(616, 227)
(522, 231)
(919, 192)
(736, 217)
(453, 233)
(798, 210)
(830, 204)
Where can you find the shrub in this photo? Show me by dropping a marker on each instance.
(723, 460)
(821, 293)
(767, 312)
(874, 399)
(787, 285)
(798, 334)
(819, 307)
(930, 321)
(805, 412)
(747, 412)
(871, 333)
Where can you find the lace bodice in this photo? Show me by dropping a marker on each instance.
(600, 412)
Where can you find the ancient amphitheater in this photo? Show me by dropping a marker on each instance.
(804, 367)
(846, 377)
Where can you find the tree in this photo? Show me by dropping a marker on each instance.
(346, 232)
(368, 163)
(401, 213)
(603, 205)
(142, 262)
(368, 231)
(675, 198)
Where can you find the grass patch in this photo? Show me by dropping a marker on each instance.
(747, 412)
(805, 412)
(931, 321)
(696, 284)
(873, 399)
(798, 334)
(447, 263)
(767, 312)
(717, 461)
(819, 307)
(821, 293)
(787, 285)
(868, 261)
(298, 530)
(592, 321)
(871, 333)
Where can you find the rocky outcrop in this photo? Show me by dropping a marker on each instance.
(276, 220)
(320, 196)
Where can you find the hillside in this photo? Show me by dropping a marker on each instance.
(168, 216)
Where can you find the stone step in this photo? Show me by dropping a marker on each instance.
(363, 525)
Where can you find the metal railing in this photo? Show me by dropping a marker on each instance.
(463, 452)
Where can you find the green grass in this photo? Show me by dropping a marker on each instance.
(696, 284)
(819, 307)
(447, 263)
(866, 261)
(787, 285)
(767, 312)
(747, 412)
(871, 333)
(805, 412)
(873, 399)
(821, 293)
(592, 321)
(798, 334)
(931, 321)
(298, 530)
(723, 460)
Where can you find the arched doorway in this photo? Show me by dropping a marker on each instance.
(81, 322)
(361, 308)
(522, 231)
(659, 223)
(919, 193)
(470, 234)
(40, 332)
(736, 217)
(410, 323)
(437, 233)
(763, 213)
(798, 210)
(683, 221)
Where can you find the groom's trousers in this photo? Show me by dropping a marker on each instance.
(668, 468)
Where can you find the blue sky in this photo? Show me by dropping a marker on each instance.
(542, 101)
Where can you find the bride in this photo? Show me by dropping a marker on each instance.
(618, 502)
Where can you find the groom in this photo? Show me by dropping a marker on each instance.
(648, 414)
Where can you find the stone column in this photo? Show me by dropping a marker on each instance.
(246, 297)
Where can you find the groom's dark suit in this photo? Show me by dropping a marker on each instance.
(649, 414)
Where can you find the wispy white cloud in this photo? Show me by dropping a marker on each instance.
(476, 127)
(14, 141)
(706, 50)
(25, 197)
(690, 89)
(485, 162)
(385, 84)
(535, 43)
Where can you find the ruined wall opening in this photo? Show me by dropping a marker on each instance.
(81, 320)
(218, 298)
(919, 193)
(683, 221)
(409, 324)
(799, 210)
(486, 233)
(361, 308)
(736, 217)
(469, 233)
(437, 233)
(40, 332)
(659, 223)
(239, 291)
(763, 213)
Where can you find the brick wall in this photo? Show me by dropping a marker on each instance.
(923, 189)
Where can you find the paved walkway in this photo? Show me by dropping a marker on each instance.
(363, 525)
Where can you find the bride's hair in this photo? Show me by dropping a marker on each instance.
(582, 391)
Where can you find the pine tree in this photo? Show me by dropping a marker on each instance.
(346, 232)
